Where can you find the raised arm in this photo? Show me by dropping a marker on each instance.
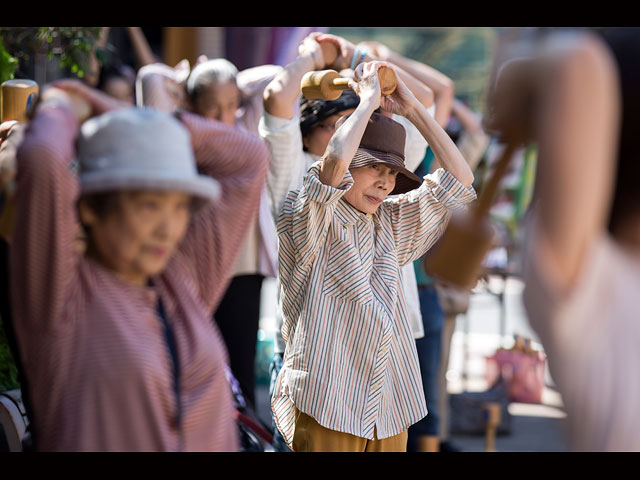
(349, 57)
(346, 139)
(403, 102)
(142, 49)
(252, 83)
(473, 140)
(162, 87)
(280, 125)
(43, 251)
(282, 93)
(575, 122)
(442, 86)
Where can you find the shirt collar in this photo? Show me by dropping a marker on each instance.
(349, 215)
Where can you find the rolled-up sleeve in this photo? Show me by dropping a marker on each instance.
(287, 158)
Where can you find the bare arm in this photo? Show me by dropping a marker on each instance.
(473, 140)
(422, 91)
(92, 74)
(346, 139)
(144, 55)
(469, 121)
(445, 151)
(281, 94)
(442, 86)
(577, 142)
(403, 102)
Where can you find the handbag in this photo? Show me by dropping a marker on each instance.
(522, 370)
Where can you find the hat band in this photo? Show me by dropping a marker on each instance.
(405, 180)
(365, 156)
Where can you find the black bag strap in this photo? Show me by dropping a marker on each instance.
(175, 364)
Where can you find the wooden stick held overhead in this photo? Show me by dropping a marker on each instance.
(329, 85)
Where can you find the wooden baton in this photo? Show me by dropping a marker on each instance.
(17, 97)
(328, 84)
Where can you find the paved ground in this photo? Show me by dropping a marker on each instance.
(488, 325)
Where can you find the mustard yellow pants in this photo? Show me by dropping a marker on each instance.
(310, 436)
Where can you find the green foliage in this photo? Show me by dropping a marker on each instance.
(8, 63)
(70, 45)
(8, 369)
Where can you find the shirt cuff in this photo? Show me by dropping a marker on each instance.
(319, 192)
(273, 123)
(448, 190)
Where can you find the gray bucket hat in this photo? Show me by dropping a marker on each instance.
(140, 148)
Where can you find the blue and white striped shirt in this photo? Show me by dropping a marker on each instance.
(350, 360)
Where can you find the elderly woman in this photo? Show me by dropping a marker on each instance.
(117, 342)
(350, 379)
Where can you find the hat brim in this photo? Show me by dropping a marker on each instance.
(205, 189)
(406, 180)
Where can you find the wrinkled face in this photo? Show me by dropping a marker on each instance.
(139, 235)
(371, 185)
(317, 139)
(219, 102)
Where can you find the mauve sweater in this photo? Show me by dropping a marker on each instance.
(93, 347)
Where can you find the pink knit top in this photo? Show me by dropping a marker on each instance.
(93, 347)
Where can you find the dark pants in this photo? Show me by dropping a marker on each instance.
(429, 348)
(238, 318)
(279, 445)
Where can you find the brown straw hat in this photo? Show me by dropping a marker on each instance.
(383, 142)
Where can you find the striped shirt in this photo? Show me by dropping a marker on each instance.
(290, 163)
(350, 360)
(93, 347)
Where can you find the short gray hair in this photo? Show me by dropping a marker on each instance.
(208, 73)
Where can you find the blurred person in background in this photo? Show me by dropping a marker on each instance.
(577, 97)
(108, 73)
(472, 141)
(116, 340)
(441, 303)
(216, 90)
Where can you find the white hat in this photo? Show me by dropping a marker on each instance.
(139, 148)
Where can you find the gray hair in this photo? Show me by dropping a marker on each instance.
(209, 73)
